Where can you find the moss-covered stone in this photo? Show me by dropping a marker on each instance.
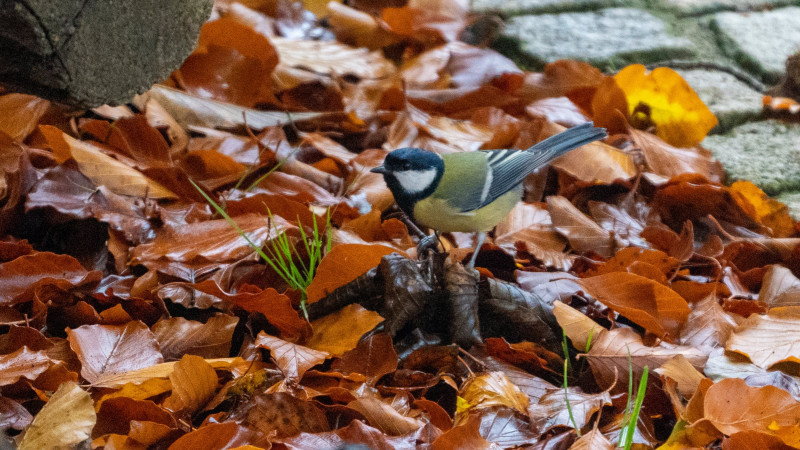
(759, 41)
(732, 101)
(766, 153)
(610, 38)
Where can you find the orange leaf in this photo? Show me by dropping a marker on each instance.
(650, 304)
(194, 382)
(733, 406)
(343, 264)
(341, 331)
(769, 211)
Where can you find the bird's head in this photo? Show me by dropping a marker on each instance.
(411, 174)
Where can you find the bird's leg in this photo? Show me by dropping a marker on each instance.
(480, 236)
(429, 242)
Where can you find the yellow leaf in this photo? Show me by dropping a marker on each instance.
(664, 99)
(66, 420)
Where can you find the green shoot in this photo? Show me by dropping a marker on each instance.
(283, 259)
(630, 429)
(589, 340)
(282, 252)
(566, 384)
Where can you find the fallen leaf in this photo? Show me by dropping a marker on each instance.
(665, 99)
(194, 382)
(108, 350)
(581, 231)
(66, 420)
(343, 264)
(293, 359)
(613, 351)
(23, 363)
(21, 114)
(340, 332)
(732, 406)
(101, 168)
(178, 336)
(768, 339)
(650, 304)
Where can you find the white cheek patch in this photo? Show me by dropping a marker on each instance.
(415, 181)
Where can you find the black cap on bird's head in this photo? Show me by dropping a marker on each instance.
(405, 159)
(411, 174)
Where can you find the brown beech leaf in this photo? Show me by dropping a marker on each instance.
(343, 264)
(668, 161)
(20, 114)
(691, 196)
(592, 440)
(384, 417)
(117, 415)
(340, 332)
(708, 325)
(650, 304)
(66, 420)
(212, 240)
(276, 307)
(465, 435)
(178, 336)
(20, 277)
(732, 406)
(194, 382)
(13, 415)
(626, 260)
(779, 287)
(281, 415)
(145, 374)
(768, 339)
(232, 63)
(581, 231)
(293, 359)
(579, 328)
(493, 389)
(303, 61)
(427, 20)
(101, 168)
(614, 350)
(373, 357)
(216, 436)
(557, 109)
(681, 370)
(561, 78)
(23, 363)
(138, 139)
(530, 224)
(107, 350)
(552, 410)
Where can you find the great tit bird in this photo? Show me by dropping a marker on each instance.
(471, 191)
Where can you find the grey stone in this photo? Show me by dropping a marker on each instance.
(610, 38)
(766, 153)
(792, 200)
(705, 6)
(90, 52)
(732, 101)
(760, 41)
(514, 7)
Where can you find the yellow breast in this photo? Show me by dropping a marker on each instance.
(436, 213)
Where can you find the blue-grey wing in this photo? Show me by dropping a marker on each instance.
(508, 168)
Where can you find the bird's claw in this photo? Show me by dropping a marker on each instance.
(430, 242)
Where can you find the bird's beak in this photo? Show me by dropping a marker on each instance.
(379, 169)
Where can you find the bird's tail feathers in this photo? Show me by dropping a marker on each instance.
(574, 137)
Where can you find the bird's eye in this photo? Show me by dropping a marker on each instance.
(406, 165)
